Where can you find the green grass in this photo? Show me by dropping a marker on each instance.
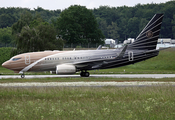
(99, 103)
(90, 79)
(4, 71)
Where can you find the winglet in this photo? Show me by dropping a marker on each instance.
(99, 47)
(122, 52)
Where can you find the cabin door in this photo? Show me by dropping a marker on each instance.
(27, 59)
(130, 56)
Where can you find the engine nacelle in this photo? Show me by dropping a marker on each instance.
(65, 69)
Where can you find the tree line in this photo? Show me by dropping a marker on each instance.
(127, 22)
(75, 24)
(106, 22)
(8, 16)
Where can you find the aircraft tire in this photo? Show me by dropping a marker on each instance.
(22, 76)
(84, 74)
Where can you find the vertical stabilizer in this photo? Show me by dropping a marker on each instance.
(147, 39)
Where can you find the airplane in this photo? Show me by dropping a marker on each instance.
(70, 62)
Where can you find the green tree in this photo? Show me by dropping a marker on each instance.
(24, 20)
(113, 31)
(142, 24)
(6, 36)
(77, 24)
(34, 34)
(133, 27)
(173, 26)
(42, 37)
(102, 25)
(6, 20)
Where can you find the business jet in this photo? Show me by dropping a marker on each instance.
(70, 62)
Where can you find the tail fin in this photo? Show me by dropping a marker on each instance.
(147, 39)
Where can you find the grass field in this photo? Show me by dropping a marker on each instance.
(100, 103)
(90, 79)
(77, 103)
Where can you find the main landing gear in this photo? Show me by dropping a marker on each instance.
(84, 74)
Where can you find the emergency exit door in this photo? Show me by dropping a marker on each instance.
(27, 59)
(130, 56)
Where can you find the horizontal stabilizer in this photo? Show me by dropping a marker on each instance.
(151, 51)
(156, 50)
(163, 48)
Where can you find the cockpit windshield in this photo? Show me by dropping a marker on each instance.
(15, 59)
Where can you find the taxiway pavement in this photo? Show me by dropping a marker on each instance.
(91, 84)
(94, 75)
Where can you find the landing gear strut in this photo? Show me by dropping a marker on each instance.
(84, 74)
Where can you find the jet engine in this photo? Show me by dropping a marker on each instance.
(65, 69)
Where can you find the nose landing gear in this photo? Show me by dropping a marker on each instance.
(22, 75)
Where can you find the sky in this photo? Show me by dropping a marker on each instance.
(62, 4)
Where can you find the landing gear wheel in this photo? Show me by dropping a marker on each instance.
(81, 74)
(22, 76)
(84, 74)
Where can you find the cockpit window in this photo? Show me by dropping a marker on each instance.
(15, 59)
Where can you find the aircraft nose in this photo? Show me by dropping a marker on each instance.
(5, 65)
